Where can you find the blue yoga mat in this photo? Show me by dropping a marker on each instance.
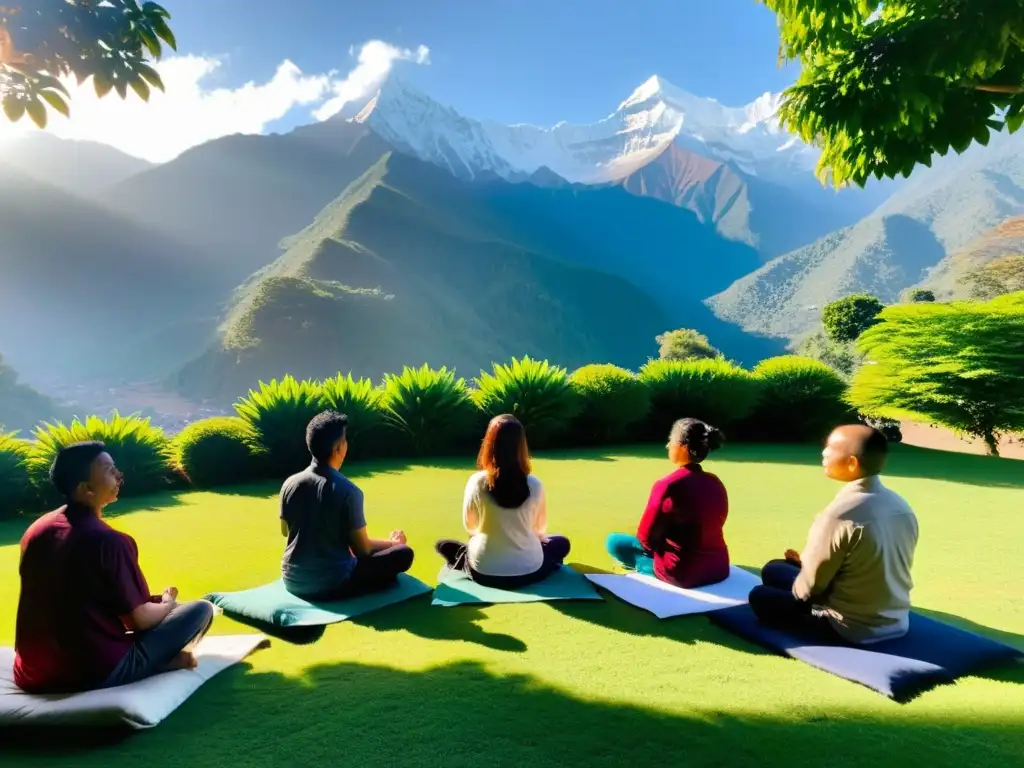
(456, 588)
(931, 653)
(273, 604)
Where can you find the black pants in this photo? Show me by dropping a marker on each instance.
(775, 604)
(556, 549)
(372, 573)
(155, 648)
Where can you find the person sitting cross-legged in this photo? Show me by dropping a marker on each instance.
(329, 555)
(505, 513)
(680, 538)
(86, 619)
(852, 582)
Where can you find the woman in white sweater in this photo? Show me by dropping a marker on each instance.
(504, 511)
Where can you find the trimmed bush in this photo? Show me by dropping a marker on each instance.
(431, 409)
(277, 413)
(17, 494)
(218, 451)
(611, 401)
(534, 391)
(360, 400)
(140, 450)
(801, 399)
(715, 391)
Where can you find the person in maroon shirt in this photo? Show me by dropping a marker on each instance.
(86, 619)
(680, 538)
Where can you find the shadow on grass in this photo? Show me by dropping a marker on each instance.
(462, 714)
(904, 461)
(419, 618)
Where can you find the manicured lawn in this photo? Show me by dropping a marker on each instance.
(584, 684)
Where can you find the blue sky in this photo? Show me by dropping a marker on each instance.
(537, 61)
(258, 66)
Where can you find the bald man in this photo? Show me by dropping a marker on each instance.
(852, 581)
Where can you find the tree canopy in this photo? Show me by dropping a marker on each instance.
(42, 41)
(685, 344)
(847, 318)
(885, 86)
(960, 365)
(918, 295)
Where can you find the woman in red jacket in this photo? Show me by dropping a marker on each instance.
(680, 538)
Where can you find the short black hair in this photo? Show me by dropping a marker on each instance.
(323, 432)
(73, 464)
(871, 447)
(699, 438)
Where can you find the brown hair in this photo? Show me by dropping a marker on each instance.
(505, 457)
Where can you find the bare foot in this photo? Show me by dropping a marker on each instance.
(184, 660)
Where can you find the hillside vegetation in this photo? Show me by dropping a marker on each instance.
(940, 211)
(21, 406)
(86, 290)
(410, 263)
(946, 279)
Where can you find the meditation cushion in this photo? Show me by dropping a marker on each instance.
(140, 705)
(931, 653)
(665, 600)
(455, 587)
(273, 604)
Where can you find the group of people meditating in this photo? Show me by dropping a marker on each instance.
(87, 618)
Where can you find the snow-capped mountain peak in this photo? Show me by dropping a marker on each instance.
(654, 116)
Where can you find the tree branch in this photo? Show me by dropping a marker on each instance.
(1012, 90)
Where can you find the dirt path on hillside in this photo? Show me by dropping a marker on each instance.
(927, 436)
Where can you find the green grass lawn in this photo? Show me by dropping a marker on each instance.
(589, 684)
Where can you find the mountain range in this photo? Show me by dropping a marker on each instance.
(908, 241)
(401, 231)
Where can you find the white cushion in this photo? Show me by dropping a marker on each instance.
(666, 601)
(139, 705)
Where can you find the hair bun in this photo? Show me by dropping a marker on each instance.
(714, 438)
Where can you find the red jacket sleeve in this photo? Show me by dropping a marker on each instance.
(658, 504)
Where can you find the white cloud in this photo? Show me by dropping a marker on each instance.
(376, 59)
(190, 112)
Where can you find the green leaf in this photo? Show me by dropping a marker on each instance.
(139, 86)
(55, 101)
(44, 82)
(14, 107)
(1014, 122)
(151, 43)
(121, 86)
(152, 9)
(102, 84)
(37, 112)
(164, 32)
(151, 75)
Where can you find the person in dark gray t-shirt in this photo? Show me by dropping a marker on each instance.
(329, 554)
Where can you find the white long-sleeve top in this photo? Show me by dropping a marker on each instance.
(504, 542)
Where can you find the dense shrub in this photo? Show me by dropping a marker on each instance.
(16, 491)
(715, 391)
(360, 400)
(801, 399)
(534, 391)
(140, 450)
(685, 344)
(611, 401)
(431, 410)
(218, 451)
(278, 414)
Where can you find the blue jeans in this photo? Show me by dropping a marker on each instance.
(628, 551)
